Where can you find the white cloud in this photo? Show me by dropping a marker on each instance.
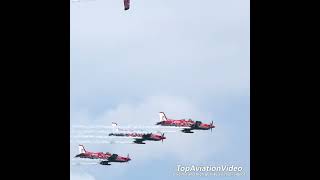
(158, 47)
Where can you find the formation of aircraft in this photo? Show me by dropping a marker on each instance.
(139, 137)
(187, 125)
(104, 158)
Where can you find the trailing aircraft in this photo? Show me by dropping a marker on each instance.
(104, 158)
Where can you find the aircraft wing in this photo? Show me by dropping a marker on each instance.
(139, 141)
(187, 130)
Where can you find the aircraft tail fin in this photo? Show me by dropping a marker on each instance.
(114, 127)
(162, 116)
(82, 149)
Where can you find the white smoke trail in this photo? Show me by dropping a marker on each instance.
(99, 142)
(92, 136)
(142, 127)
(102, 137)
(83, 163)
(94, 130)
(92, 127)
(99, 134)
(90, 131)
(107, 133)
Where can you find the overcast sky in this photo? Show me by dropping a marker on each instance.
(190, 59)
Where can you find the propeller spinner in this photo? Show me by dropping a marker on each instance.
(162, 137)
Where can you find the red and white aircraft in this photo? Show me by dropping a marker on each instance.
(138, 137)
(104, 157)
(187, 125)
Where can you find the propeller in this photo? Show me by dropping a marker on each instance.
(211, 126)
(162, 137)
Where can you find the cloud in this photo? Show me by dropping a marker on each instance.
(158, 47)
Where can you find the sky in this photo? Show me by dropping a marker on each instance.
(190, 59)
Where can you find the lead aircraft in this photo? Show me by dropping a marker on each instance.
(187, 125)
